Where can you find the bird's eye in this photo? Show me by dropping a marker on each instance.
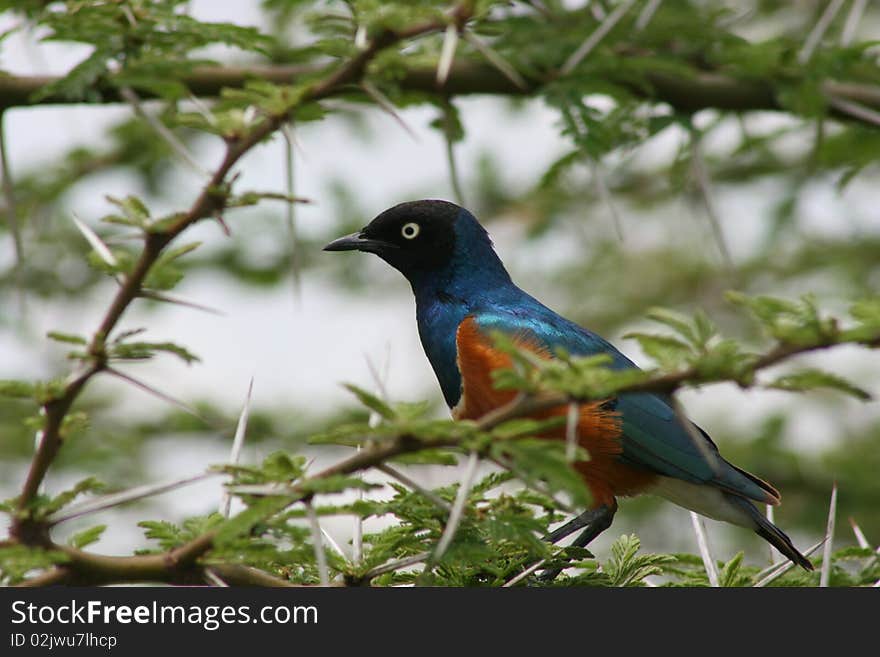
(410, 230)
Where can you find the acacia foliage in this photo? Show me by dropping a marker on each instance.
(653, 74)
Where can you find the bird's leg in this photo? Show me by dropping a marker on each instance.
(596, 521)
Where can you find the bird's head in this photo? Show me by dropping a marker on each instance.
(429, 242)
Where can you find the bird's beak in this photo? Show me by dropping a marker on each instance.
(355, 242)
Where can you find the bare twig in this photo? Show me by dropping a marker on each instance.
(521, 576)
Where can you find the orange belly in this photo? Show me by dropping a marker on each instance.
(598, 428)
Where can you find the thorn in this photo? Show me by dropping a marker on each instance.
(496, 60)
(320, 557)
(397, 564)
(450, 154)
(214, 578)
(855, 110)
(825, 575)
(290, 213)
(447, 53)
(406, 481)
(156, 393)
(775, 572)
(95, 242)
(360, 38)
(237, 443)
(605, 196)
(608, 22)
(771, 517)
(12, 214)
(701, 174)
(521, 576)
(852, 22)
(157, 296)
(384, 103)
(703, 543)
(647, 14)
(122, 497)
(819, 30)
(163, 131)
(455, 514)
(333, 543)
(571, 431)
(860, 536)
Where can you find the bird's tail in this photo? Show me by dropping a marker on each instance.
(770, 532)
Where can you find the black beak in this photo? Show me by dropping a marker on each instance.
(355, 242)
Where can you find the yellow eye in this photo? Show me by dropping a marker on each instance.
(410, 230)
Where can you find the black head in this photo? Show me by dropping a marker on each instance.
(417, 237)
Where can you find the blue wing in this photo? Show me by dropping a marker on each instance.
(652, 435)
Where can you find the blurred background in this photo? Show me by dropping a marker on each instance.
(601, 244)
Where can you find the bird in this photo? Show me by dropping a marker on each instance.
(637, 442)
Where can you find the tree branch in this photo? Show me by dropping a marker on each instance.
(686, 93)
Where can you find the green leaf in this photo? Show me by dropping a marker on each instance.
(17, 389)
(544, 460)
(810, 379)
(66, 337)
(86, 537)
(371, 401)
(45, 507)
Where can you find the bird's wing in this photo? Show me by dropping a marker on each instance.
(652, 436)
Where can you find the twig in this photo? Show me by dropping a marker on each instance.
(593, 40)
(825, 575)
(703, 543)
(819, 30)
(237, 442)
